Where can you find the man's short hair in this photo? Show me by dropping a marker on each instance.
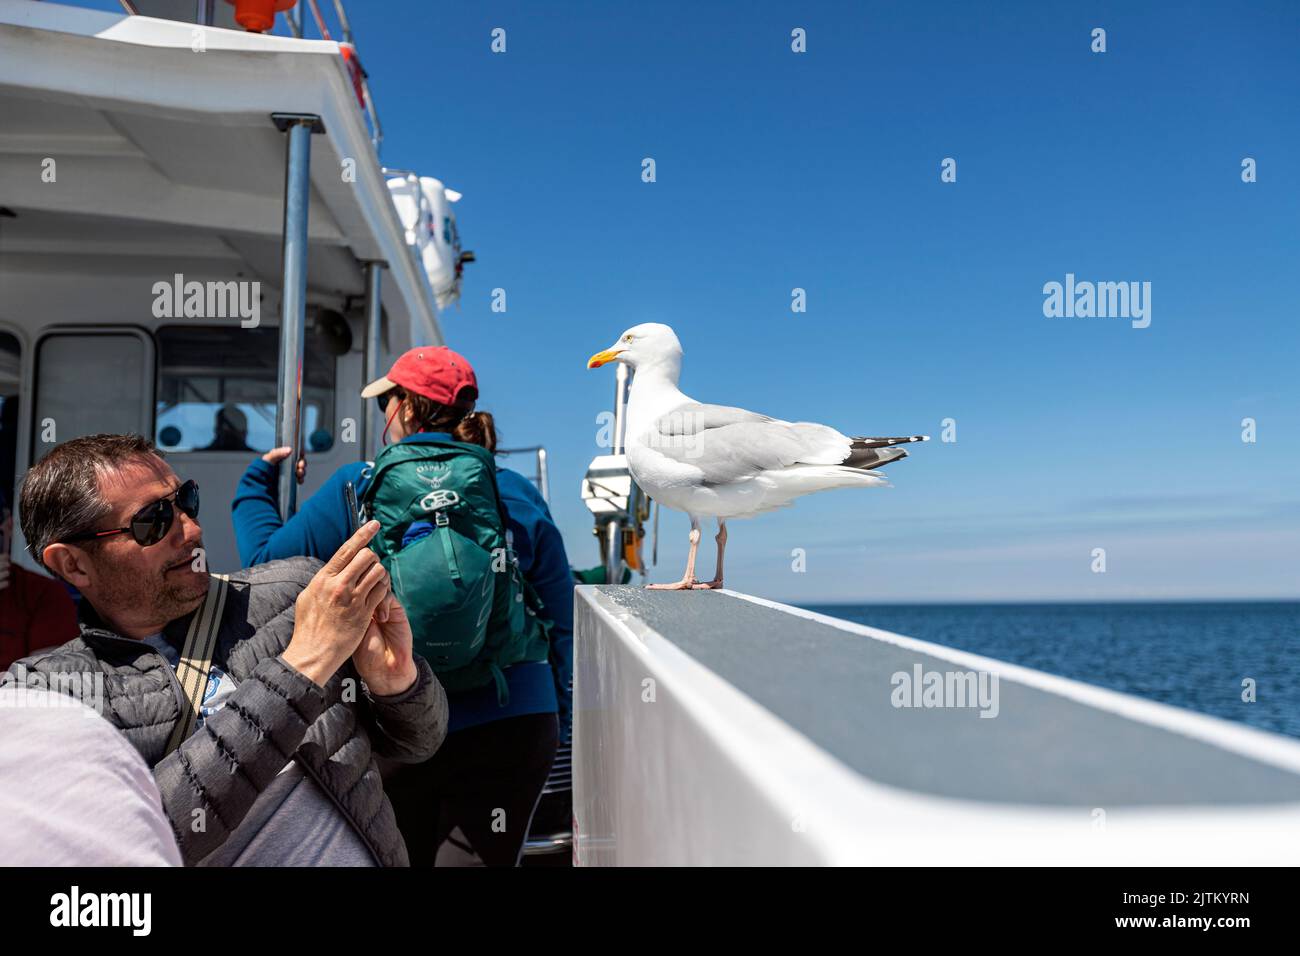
(60, 495)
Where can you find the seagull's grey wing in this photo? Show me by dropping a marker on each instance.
(694, 417)
(727, 443)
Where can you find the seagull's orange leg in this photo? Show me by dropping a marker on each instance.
(721, 538)
(688, 579)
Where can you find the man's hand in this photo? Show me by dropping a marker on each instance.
(334, 611)
(277, 455)
(383, 659)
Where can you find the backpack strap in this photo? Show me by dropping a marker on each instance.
(196, 657)
(533, 599)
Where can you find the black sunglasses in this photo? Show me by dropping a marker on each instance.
(151, 523)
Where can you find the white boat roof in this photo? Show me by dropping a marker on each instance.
(167, 158)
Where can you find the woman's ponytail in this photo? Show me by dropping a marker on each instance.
(460, 420)
(477, 428)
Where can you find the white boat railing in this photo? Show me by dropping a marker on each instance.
(715, 728)
(359, 77)
(541, 471)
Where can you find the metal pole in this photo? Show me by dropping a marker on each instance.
(204, 13)
(543, 479)
(620, 407)
(614, 528)
(293, 301)
(613, 551)
(377, 137)
(294, 18)
(374, 314)
(343, 21)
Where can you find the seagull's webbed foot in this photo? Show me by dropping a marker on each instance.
(683, 585)
(707, 585)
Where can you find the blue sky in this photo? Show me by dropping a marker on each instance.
(821, 170)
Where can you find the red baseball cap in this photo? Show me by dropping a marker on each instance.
(436, 373)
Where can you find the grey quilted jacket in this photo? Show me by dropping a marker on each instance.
(275, 714)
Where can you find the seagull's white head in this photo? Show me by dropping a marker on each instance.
(642, 345)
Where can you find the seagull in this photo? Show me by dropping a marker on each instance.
(722, 461)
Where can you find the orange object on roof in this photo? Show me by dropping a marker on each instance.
(258, 16)
(354, 71)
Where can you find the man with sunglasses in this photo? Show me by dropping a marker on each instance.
(311, 676)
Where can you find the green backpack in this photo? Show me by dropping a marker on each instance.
(472, 613)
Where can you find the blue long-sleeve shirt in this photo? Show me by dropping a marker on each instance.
(321, 526)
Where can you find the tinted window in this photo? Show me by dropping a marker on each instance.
(91, 382)
(217, 388)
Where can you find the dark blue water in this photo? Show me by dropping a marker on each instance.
(1188, 655)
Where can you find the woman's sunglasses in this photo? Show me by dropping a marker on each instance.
(151, 523)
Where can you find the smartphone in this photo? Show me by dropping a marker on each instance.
(354, 512)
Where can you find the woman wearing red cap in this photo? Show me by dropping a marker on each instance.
(496, 756)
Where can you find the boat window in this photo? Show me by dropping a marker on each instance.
(10, 386)
(217, 387)
(90, 381)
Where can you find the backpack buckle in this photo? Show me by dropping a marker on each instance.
(441, 498)
(441, 519)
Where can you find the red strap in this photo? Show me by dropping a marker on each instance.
(390, 419)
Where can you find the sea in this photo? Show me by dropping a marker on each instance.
(1206, 657)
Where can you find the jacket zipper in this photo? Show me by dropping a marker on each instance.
(177, 691)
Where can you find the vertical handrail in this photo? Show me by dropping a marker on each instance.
(544, 481)
(293, 299)
(613, 555)
(614, 561)
(320, 21)
(620, 407)
(294, 16)
(373, 343)
(377, 136)
(344, 25)
(542, 477)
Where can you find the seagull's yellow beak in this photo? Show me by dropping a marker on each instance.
(601, 358)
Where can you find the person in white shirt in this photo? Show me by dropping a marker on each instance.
(73, 791)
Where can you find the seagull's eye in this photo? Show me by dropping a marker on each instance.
(627, 338)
